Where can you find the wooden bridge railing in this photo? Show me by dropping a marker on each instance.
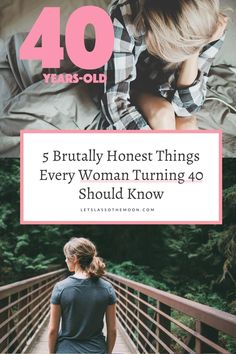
(159, 322)
(156, 321)
(23, 307)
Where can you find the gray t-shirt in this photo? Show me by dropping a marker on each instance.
(83, 305)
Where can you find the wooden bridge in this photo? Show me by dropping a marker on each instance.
(149, 320)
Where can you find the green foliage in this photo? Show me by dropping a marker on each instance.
(179, 332)
(206, 296)
(16, 259)
(228, 342)
(138, 273)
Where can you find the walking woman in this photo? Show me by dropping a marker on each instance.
(80, 302)
(157, 75)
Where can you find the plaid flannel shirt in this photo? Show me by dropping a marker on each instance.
(121, 70)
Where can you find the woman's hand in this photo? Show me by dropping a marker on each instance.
(222, 23)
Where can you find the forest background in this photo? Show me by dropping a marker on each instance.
(196, 262)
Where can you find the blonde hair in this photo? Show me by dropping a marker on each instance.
(176, 29)
(86, 253)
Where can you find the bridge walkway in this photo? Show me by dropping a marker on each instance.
(122, 346)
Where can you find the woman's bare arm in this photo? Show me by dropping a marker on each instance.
(188, 72)
(111, 327)
(53, 328)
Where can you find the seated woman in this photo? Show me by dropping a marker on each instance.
(157, 75)
(80, 302)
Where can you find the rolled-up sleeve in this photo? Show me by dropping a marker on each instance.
(190, 99)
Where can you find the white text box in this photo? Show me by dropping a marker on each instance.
(120, 177)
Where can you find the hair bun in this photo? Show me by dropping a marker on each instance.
(97, 268)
